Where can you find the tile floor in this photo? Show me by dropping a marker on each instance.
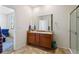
(35, 50)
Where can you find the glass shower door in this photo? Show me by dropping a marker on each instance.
(73, 32)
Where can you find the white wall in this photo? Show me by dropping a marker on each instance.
(3, 21)
(23, 19)
(61, 19)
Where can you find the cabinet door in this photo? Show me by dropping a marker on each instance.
(31, 38)
(37, 39)
(45, 40)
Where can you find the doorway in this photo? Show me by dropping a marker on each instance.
(7, 16)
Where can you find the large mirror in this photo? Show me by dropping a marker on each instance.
(45, 22)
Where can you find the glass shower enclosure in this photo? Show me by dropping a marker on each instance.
(74, 30)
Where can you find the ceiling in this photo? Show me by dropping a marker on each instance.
(5, 10)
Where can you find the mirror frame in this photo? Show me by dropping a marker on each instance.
(51, 15)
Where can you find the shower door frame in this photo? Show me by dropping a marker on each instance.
(76, 28)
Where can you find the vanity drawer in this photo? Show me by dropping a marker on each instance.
(46, 36)
(44, 39)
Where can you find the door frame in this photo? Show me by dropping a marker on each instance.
(70, 26)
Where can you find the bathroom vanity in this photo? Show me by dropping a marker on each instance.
(41, 33)
(40, 38)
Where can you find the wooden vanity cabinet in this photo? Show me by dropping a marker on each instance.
(31, 38)
(39, 39)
